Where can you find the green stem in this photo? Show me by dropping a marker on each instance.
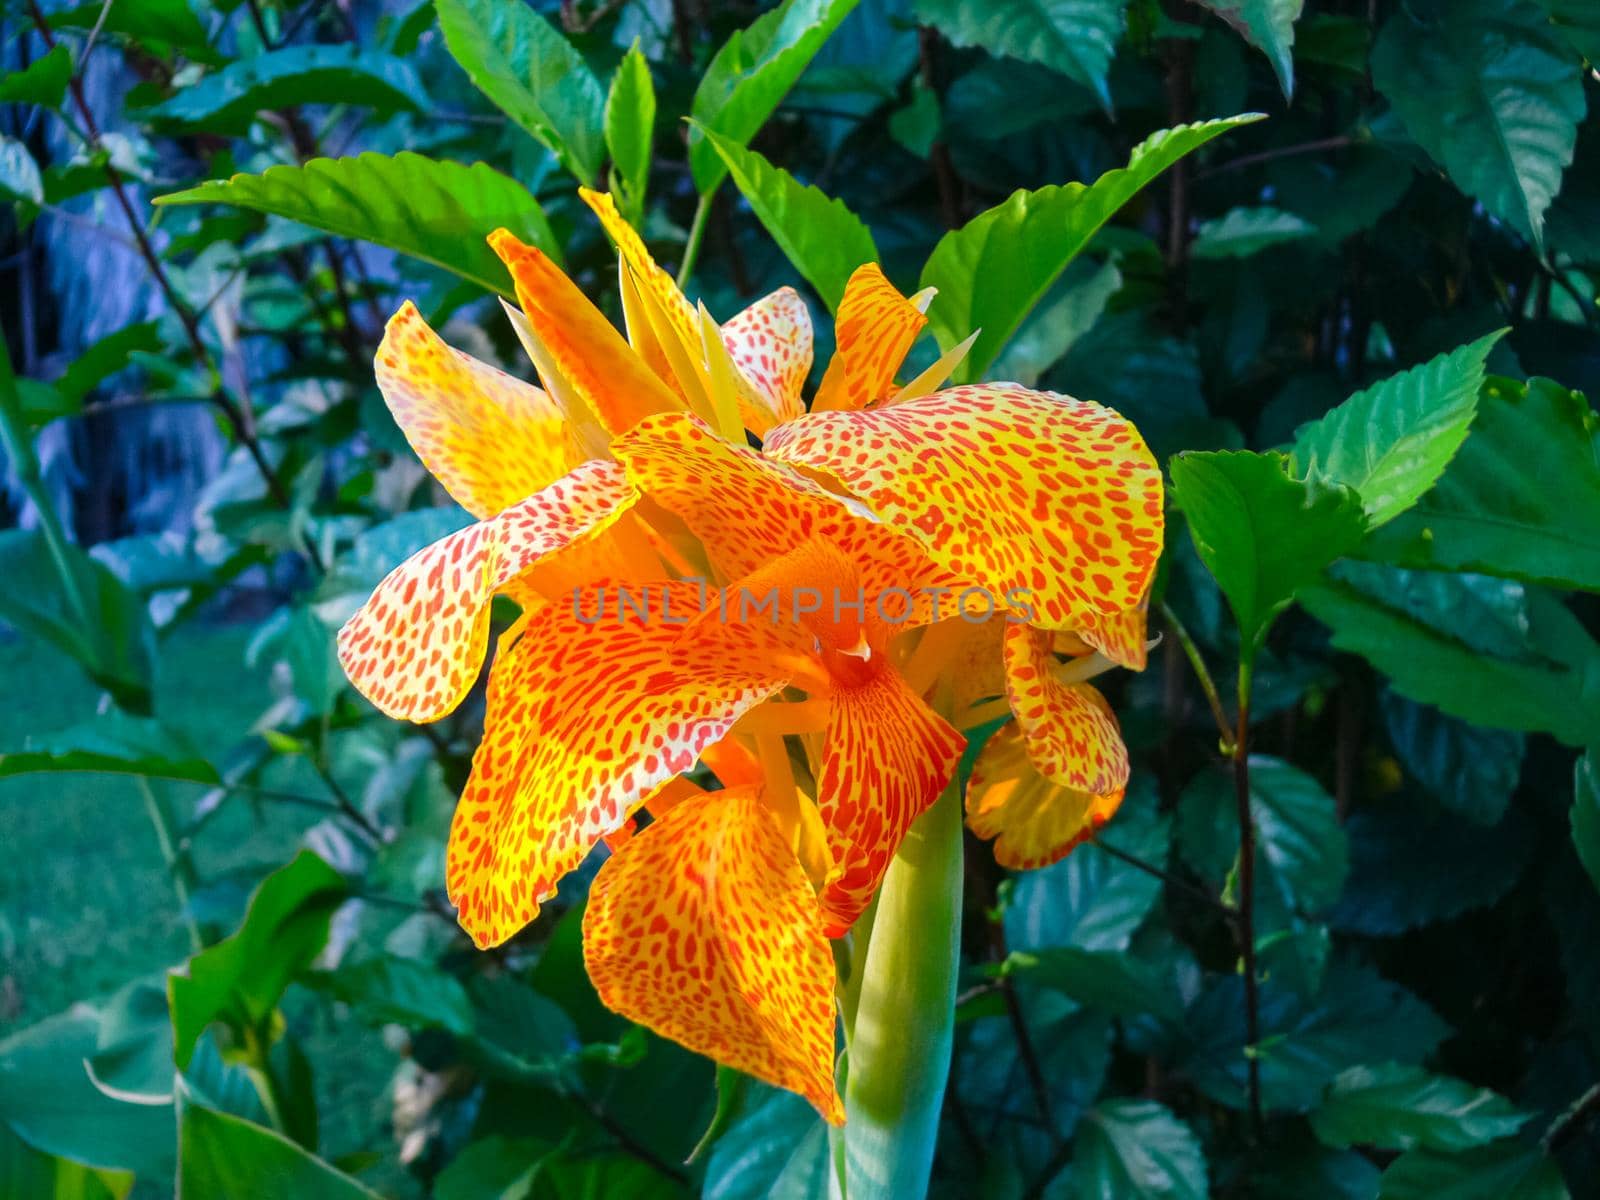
(177, 866)
(697, 235)
(1247, 896)
(901, 1036)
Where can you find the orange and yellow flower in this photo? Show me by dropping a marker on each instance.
(629, 479)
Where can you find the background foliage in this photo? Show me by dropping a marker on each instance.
(1390, 282)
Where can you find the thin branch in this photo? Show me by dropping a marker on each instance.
(1030, 1058)
(1166, 877)
(1569, 1123)
(1202, 673)
(1247, 897)
(1251, 160)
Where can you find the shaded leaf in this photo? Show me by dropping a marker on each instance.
(1241, 232)
(1136, 1149)
(1267, 25)
(1506, 1170)
(222, 1155)
(492, 1168)
(777, 1149)
(1395, 1107)
(43, 81)
(1585, 816)
(1470, 770)
(115, 743)
(1076, 37)
(1110, 980)
(401, 991)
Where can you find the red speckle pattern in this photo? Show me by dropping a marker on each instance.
(1070, 730)
(583, 723)
(1016, 489)
(415, 647)
(705, 928)
(1032, 821)
(874, 329)
(1120, 637)
(770, 344)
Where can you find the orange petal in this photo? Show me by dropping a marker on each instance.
(1070, 731)
(1120, 637)
(705, 929)
(886, 758)
(491, 440)
(650, 278)
(584, 722)
(414, 648)
(1035, 822)
(875, 326)
(1053, 504)
(771, 346)
(584, 348)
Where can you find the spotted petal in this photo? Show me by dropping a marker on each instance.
(1054, 504)
(415, 647)
(584, 722)
(705, 929)
(1121, 637)
(770, 343)
(491, 440)
(875, 327)
(886, 758)
(660, 287)
(1032, 821)
(1070, 731)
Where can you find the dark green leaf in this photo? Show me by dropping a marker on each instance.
(1303, 1170)
(1491, 90)
(1111, 980)
(777, 1149)
(115, 743)
(222, 1155)
(533, 74)
(1269, 26)
(440, 212)
(1469, 769)
(1521, 498)
(26, 1172)
(751, 74)
(1579, 22)
(1063, 317)
(401, 991)
(1506, 1170)
(105, 358)
(1262, 534)
(493, 1168)
(822, 238)
(630, 130)
(240, 979)
(995, 268)
(1242, 232)
(1136, 1150)
(1585, 817)
(155, 25)
(1077, 37)
(1394, 1107)
(1391, 442)
(43, 81)
(228, 100)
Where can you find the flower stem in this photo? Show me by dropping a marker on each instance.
(899, 1057)
(697, 234)
(1247, 897)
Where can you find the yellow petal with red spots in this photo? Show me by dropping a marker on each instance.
(584, 347)
(771, 344)
(875, 327)
(584, 722)
(1120, 637)
(1032, 821)
(491, 440)
(415, 647)
(705, 929)
(886, 757)
(1053, 504)
(1070, 730)
(651, 280)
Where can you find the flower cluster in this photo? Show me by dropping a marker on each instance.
(824, 737)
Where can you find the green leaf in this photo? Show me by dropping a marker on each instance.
(19, 174)
(42, 82)
(26, 1172)
(105, 358)
(1055, 325)
(1490, 90)
(115, 743)
(1395, 1107)
(777, 1149)
(1520, 499)
(155, 25)
(1405, 623)
(1111, 980)
(1262, 534)
(228, 100)
(492, 1168)
(1585, 816)
(630, 130)
(1506, 1170)
(401, 991)
(222, 1155)
(1392, 442)
(1136, 1150)
(1303, 1170)
(1579, 23)
(240, 979)
(1267, 25)
(1076, 37)
(1242, 232)
(1470, 770)
(916, 124)
(440, 212)
(751, 74)
(995, 268)
(532, 74)
(822, 238)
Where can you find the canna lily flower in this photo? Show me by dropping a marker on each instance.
(621, 507)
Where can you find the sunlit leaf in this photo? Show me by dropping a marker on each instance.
(630, 118)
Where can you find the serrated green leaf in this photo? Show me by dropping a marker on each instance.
(1262, 534)
(1585, 815)
(1242, 232)
(533, 75)
(630, 130)
(1076, 37)
(440, 212)
(751, 74)
(222, 1155)
(1393, 441)
(1508, 1170)
(1396, 1107)
(1490, 89)
(1469, 769)
(822, 238)
(993, 270)
(1520, 499)
(1136, 1150)
(43, 81)
(229, 99)
(1267, 25)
